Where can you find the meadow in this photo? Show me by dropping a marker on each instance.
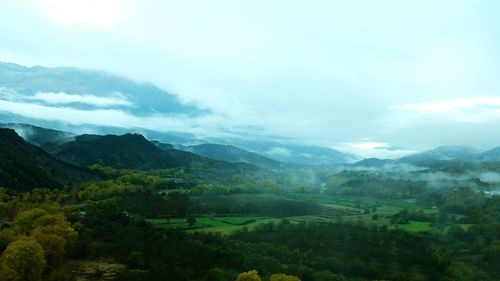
(329, 208)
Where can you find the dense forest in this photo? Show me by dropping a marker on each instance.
(120, 208)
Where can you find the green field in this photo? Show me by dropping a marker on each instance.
(224, 225)
(414, 226)
(330, 209)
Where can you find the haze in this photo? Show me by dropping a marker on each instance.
(377, 78)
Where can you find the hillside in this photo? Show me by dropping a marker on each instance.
(39, 136)
(25, 166)
(133, 151)
(442, 153)
(373, 163)
(233, 154)
(491, 155)
(290, 153)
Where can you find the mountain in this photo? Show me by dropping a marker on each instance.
(129, 151)
(133, 151)
(25, 166)
(231, 153)
(490, 155)
(309, 155)
(39, 136)
(164, 146)
(441, 153)
(85, 89)
(53, 97)
(373, 163)
(288, 152)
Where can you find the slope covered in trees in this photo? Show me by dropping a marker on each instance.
(164, 214)
(231, 153)
(24, 166)
(133, 151)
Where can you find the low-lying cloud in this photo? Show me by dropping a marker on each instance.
(63, 98)
(374, 149)
(201, 126)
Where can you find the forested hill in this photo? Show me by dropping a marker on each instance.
(42, 137)
(233, 154)
(133, 151)
(25, 166)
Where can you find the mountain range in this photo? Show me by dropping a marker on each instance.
(25, 166)
(89, 90)
(79, 91)
(230, 153)
(438, 154)
(85, 89)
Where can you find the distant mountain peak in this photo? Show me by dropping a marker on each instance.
(448, 152)
(233, 154)
(491, 155)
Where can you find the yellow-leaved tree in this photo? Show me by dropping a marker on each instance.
(49, 228)
(22, 260)
(251, 275)
(283, 277)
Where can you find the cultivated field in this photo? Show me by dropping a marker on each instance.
(328, 209)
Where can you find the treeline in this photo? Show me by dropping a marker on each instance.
(47, 236)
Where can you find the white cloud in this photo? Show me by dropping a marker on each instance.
(329, 77)
(104, 13)
(368, 145)
(373, 149)
(203, 126)
(450, 105)
(64, 98)
(469, 110)
(278, 151)
(490, 177)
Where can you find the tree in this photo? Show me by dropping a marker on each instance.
(283, 277)
(491, 253)
(6, 236)
(191, 220)
(179, 203)
(53, 247)
(135, 260)
(49, 228)
(251, 275)
(3, 194)
(23, 260)
(24, 221)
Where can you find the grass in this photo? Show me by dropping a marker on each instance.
(349, 205)
(414, 226)
(224, 225)
(228, 225)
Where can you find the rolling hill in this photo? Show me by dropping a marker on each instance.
(442, 153)
(373, 163)
(490, 155)
(39, 136)
(133, 151)
(25, 166)
(231, 153)
(290, 153)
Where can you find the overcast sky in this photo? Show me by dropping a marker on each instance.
(366, 76)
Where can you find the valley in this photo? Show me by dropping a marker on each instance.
(138, 208)
(249, 140)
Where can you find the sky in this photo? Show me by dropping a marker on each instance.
(376, 78)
